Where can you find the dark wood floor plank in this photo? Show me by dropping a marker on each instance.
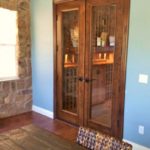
(24, 140)
(7, 144)
(55, 126)
(34, 138)
(46, 137)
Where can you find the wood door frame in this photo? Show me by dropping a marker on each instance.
(54, 58)
(82, 45)
(126, 16)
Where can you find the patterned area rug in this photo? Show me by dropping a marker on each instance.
(34, 138)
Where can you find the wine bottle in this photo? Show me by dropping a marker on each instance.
(98, 41)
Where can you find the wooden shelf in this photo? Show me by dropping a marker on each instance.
(106, 58)
(69, 65)
(103, 62)
(104, 49)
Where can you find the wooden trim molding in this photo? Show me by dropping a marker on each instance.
(62, 1)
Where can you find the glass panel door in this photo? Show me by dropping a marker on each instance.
(70, 62)
(70, 36)
(103, 48)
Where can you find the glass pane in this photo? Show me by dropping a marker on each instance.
(103, 47)
(8, 26)
(70, 33)
(8, 61)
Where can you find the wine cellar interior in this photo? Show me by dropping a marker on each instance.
(102, 52)
(70, 58)
(103, 47)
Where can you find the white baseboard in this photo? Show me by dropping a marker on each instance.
(43, 111)
(137, 146)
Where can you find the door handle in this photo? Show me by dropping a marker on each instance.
(81, 79)
(87, 80)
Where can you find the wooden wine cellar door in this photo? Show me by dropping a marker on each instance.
(91, 48)
(70, 61)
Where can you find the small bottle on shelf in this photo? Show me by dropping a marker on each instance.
(105, 55)
(111, 40)
(99, 55)
(73, 58)
(103, 43)
(98, 41)
(104, 37)
(66, 58)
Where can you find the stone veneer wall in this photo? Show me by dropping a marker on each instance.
(16, 95)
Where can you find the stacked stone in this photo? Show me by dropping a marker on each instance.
(16, 95)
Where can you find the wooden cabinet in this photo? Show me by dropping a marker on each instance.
(90, 62)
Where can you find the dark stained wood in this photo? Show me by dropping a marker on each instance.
(74, 118)
(32, 137)
(54, 57)
(63, 1)
(122, 14)
(126, 15)
(57, 127)
(83, 116)
(61, 113)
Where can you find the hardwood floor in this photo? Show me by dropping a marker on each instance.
(57, 127)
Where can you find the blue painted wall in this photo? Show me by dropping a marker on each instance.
(137, 101)
(42, 53)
